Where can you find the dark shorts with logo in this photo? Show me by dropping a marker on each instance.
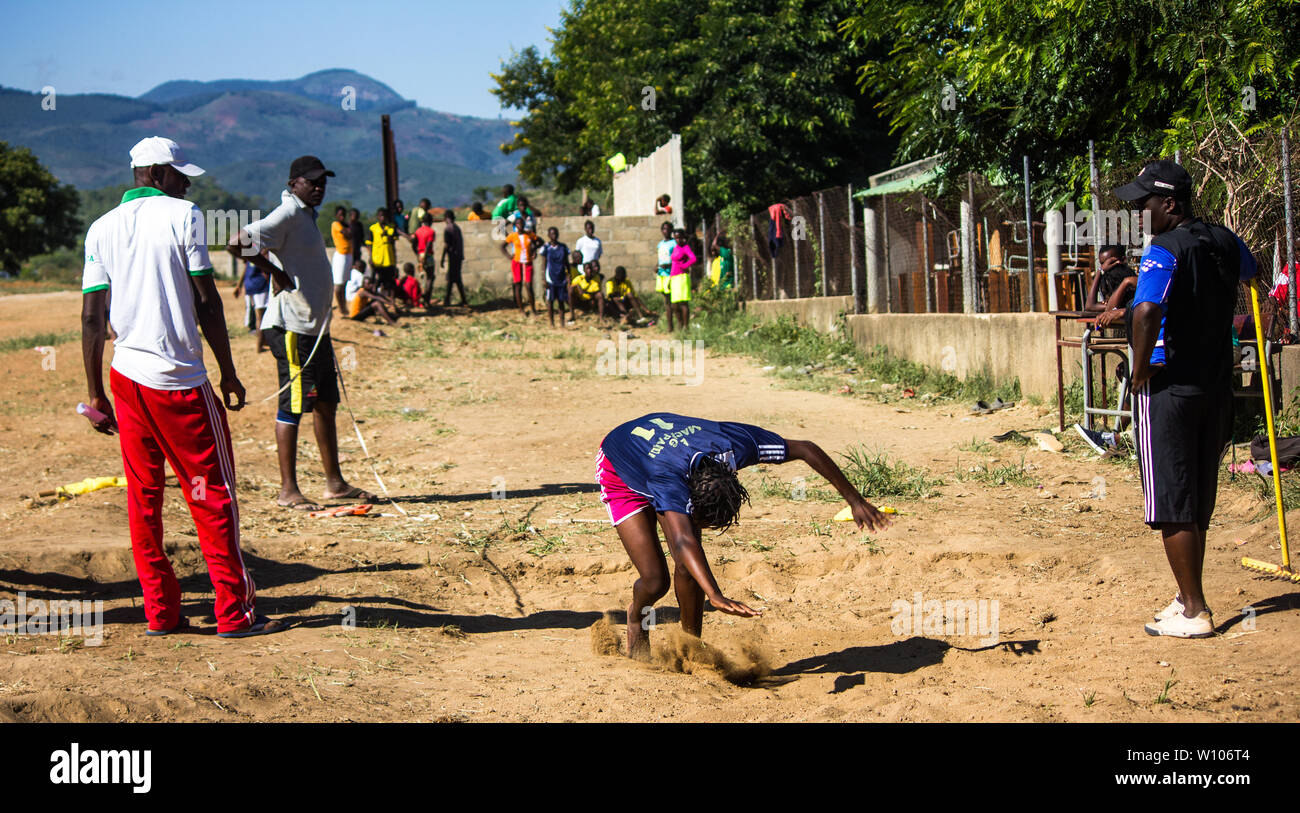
(1181, 439)
(315, 382)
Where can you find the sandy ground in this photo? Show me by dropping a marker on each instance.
(474, 608)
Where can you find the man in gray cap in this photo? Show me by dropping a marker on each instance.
(1182, 369)
(296, 326)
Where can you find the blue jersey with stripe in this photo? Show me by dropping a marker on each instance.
(655, 453)
(1159, 275)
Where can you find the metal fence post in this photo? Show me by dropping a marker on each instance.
(925, 257)
(1096, 205)
(753, 261)
(794, 245)
(1293, 318)
(884, 230)
(821, 247)
(853, 254)
(1029, 242)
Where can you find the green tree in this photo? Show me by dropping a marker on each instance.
(762, 94)
(985, 82)
(37, 213)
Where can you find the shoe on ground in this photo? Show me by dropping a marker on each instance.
(1180, 626)
(1099, 442)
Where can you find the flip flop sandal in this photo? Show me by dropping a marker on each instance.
(1005, 436)
(303, 504)
(1000, 404)
(981, 408)
(182, 626)
(261, 626)
(356, 493)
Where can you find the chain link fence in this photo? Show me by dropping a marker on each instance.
(910, 245)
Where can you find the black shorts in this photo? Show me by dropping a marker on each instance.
(1181, 438)
(316, 382)
(385, 275)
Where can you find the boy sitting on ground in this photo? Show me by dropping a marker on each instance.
(409, 288)
(586, 290)
(364, 298)
(623, 299)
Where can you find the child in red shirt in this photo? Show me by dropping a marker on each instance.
(410, 286)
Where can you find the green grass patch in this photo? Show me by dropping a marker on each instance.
(38, 340)
(997, 474)
(783, 343)
(9, 287)
(875, 475)
(976, 445)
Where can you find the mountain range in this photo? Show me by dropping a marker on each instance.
(245, 133)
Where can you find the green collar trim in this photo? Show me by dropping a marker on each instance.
(141, 192)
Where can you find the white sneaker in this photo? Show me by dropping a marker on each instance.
(1175, 608)
(1180, 626)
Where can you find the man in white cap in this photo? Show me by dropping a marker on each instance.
(152, 251)
(296, 326)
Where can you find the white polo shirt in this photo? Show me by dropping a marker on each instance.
(144, 253)
(590, 248)
(291, 233)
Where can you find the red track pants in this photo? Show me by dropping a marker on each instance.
(187, 428)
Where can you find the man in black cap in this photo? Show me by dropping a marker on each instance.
(296, 326)
(1182, 367)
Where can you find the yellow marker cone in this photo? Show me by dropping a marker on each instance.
(846, 514)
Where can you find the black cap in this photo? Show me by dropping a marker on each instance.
(1162, 177)
(309, 167)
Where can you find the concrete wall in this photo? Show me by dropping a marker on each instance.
(659, 173)
(1006, 345)
(820, 313)
(627, 241)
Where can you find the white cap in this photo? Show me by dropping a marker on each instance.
(158, 150)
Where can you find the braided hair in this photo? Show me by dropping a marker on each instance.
(716, 494)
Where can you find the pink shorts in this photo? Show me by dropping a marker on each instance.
(621, 501)
(521, 272)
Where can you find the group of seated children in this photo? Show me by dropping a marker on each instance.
(366, 298)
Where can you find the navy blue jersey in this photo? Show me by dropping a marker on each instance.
(255, 279)
(555, 256)
(654, 454)
(1192, 272)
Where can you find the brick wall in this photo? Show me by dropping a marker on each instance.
(627, 241)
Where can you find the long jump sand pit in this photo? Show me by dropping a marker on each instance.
(469, 607)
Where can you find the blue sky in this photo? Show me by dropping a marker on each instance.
(438, 54)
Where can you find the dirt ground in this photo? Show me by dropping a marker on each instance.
(470, 608)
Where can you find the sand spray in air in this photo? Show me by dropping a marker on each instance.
(738, 658)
